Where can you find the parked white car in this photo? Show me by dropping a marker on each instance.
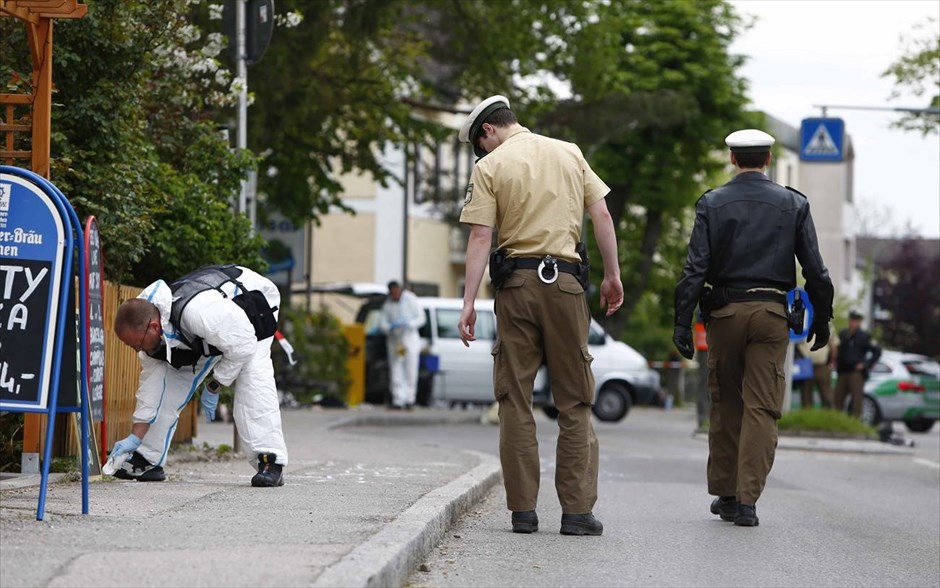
(622, 378)
(465, 375)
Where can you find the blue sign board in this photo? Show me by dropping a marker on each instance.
(32, 237)
(822, 139)
(38, 234)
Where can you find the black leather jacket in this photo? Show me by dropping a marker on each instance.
(746, 235)
(855, 348)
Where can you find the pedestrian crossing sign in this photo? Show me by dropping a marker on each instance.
(822, 139)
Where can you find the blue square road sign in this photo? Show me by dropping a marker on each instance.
(822, 139)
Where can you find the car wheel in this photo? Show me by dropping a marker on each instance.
(550, 411)
(919, 425)
(871, 412)
(612, 403)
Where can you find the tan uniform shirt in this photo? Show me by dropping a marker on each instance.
(534, 189)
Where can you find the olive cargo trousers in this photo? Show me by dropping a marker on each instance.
(853, 385)
(747, 346)
(536, 320)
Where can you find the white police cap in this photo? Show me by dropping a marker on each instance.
(749, 141)
(475, 120)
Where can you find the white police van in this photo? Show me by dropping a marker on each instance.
(465, 375)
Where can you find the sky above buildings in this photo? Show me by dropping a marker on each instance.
(833, 52)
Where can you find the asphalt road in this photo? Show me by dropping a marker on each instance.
(827, 519)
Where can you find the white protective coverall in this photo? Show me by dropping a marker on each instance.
(400, 322)
(245, 362)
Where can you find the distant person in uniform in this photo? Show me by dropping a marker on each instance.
(217, 320)
(855, 355)
(743, 243)
(823, 362)
(401, 318)
(534, 191)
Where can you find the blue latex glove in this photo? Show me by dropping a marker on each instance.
(210, 400)
(128, 444)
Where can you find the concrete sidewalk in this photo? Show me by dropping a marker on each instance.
(355, 511)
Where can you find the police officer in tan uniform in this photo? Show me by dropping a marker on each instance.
(746, 235)
(534, 191)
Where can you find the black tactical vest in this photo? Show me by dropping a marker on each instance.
(213, 277)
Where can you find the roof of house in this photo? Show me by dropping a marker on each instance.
(883, 250)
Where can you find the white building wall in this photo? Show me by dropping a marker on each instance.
(828, 186)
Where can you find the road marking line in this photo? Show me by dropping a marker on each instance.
(927, 462)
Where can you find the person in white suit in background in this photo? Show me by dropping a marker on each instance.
(402, 316)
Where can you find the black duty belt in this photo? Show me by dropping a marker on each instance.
(545, 264)
(754, 295)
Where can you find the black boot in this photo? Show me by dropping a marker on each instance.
(269, 473)
(525, 521)
(747, 516)
(726, 507)
(581, 524)
(138, 468)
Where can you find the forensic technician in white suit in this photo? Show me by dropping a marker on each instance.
(219, 320)
(402, 316)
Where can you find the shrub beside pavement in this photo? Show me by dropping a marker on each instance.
(825, 423)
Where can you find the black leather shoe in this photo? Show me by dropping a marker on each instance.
(726, 507)
(269, 473)
(525, 521)
(747, 516)
(581, 524)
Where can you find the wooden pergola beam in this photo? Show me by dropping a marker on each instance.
(33, 10)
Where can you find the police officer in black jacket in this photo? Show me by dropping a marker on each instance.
(855, 355)
(739, 267)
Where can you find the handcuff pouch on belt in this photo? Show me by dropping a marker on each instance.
(714, 297)
(502, 266)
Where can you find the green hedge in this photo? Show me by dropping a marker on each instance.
(824, 420)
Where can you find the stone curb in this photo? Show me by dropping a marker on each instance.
(801, 443)
(403, 419)
(390, 556)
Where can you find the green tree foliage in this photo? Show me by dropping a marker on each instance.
(347, 82)
(918, 71)
(133, 141)
(907, 289)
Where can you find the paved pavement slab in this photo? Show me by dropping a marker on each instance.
(206, 526)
